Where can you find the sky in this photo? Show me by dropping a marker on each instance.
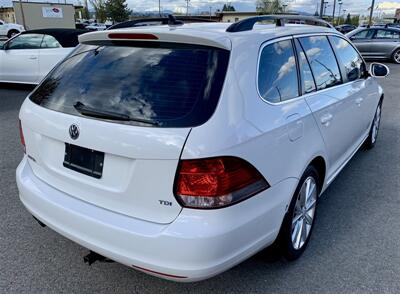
(352, 6)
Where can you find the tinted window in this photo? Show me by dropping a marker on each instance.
(351, 60)
(26, 41)
(307, 79)
(386, 34)
(50, 42)
(277, 76)
(365, 34)
(322, 61)
(169, 86)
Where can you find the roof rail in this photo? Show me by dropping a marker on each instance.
(162, 20)
(248, 23)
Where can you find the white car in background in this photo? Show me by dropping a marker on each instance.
(29, 57)
(96, 27)
(10, 29)
(182, 150)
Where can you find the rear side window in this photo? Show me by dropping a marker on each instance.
(387, 34)
(353, 63)
(277, 73)
(167, 86)
(307, 79)
(322, 61)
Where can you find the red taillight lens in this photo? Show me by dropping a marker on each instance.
(21, 135)
(216, 182)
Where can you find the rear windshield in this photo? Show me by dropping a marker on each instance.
(165, 86)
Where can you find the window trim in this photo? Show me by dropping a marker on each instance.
(303, 91)
(303, 96)
(265, 44)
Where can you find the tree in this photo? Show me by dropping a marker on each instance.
(100, 9)
(348, 19)
(269, 6)
(117, 10)
(228, 7)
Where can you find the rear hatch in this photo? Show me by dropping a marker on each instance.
(108, 125)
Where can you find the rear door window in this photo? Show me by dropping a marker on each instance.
(349, 57)
(322, 61)
(277, 73)
(165, 85)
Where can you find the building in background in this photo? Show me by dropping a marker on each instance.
(40, 15)
(234, 16)
(397, 15)
(7, 14)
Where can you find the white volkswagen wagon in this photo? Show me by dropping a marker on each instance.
(181, 150)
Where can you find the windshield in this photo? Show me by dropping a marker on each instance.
(167, 85)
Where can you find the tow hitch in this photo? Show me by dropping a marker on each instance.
(92, 257)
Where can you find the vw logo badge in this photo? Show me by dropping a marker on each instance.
(74, 132)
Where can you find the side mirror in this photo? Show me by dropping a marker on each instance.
(378, 70)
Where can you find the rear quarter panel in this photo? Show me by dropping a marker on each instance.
(246, 126)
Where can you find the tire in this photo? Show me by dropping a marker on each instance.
(300, 219)
(396, 56)
(373, 132)
(12, 33)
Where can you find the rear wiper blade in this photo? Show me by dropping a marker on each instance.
(105, 114)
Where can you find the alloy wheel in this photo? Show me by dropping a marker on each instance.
(396, 56)
(304, 212)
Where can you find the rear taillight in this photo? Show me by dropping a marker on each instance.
(21, 135)
(216, 182)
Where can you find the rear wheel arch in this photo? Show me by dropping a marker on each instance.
(320, 165)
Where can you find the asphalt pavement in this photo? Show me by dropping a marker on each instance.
(355, 247)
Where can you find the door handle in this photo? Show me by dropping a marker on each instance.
(359, 101)
(326, 118)
(33, 57)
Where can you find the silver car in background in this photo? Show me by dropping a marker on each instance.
(377, 43)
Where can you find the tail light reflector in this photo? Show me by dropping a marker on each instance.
(216, 182)
(21, 135)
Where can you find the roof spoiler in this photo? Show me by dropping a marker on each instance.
(248, 23)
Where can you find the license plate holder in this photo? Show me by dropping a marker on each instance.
(83, 160)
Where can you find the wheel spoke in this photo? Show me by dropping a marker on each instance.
(308, 219)
(295, 234)
(299, 234)
(303, 232)
(311, 203)
(296, 217)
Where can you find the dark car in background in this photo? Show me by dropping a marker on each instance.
(377, 43)
(345, 28)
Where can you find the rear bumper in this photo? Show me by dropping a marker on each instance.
(197, 245)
